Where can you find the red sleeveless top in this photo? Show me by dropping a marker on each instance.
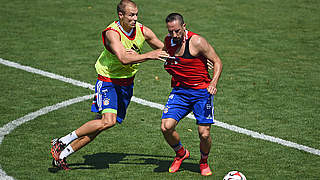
(186, 70)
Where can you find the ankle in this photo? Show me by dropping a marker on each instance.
(181, 152)
(203, 161)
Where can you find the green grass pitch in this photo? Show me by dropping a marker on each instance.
(270, 84)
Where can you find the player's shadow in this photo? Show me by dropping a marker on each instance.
(103, 160)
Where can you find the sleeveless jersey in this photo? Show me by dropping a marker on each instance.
(108, 64)
(186, 70)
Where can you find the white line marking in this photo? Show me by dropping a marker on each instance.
(6, 129)
(240, 130)
(4, 176)
(46, 74)
(146, 103)
(268, 138)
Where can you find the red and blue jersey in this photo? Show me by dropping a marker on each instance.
(186, 70)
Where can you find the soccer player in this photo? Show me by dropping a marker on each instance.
(116, 68)
(193, 89)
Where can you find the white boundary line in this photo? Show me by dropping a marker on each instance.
(46, 74)
(240, 130)
(12, 125)
(6, 129)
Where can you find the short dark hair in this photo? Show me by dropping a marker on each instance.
(173, 17)
(122, 5)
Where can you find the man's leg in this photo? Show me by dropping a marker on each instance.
(88, 131)
(85, 134)
(205, 146)
(173, 139)
(168, 128)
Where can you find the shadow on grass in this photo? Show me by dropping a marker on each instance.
(103, 160)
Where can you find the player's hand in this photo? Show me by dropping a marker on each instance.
(158, 54)
(212, 89)
(163, 56)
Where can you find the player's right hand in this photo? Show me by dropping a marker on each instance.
(163, 56)
(158, 54)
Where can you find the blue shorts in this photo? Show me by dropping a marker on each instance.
(112, 98)
(182, 101)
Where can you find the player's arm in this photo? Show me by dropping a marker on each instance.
(152, 39)
(112, 40)
(204, 48)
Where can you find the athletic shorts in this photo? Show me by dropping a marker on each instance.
(183, 100)
(112, 98)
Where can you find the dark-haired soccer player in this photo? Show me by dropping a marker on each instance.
(193, 89)
(116, 68)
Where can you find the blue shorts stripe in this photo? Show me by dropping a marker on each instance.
(99, 96)
(212, 105)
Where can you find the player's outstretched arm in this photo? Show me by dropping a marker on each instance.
(112, 39)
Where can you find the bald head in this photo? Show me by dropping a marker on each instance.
(123, 4)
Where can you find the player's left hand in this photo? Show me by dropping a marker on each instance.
(212, 89)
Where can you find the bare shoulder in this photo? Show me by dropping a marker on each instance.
(146, 29)
(112, 35)
(198, 41)
(147, 32)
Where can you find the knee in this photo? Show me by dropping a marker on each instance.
(204, 132)
(163, 128)
(167, 126)
(107, 122)
(205, 136)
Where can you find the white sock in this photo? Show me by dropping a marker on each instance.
(69, 138)
(66, 152)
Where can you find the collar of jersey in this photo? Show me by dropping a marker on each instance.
(127, 33)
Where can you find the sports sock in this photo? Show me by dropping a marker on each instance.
(204, 157)
(179, 149)
(69, 138)
(66, 152)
